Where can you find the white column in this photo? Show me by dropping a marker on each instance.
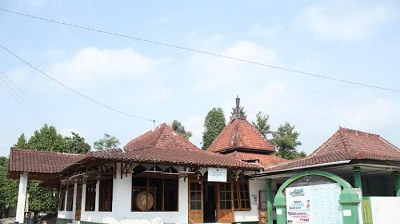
(83, 202)
(96, 206)
(23, 184)
(75, 198)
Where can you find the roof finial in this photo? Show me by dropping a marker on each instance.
(237, 106)
(237, 111)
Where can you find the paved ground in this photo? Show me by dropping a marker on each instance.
(7, 221)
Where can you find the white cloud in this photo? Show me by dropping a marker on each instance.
(373, 115)
(101, 66)
(346, 20)
(271, 31)
(215, 73)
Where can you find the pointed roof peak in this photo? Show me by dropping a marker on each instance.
(162, 136)
(240, 134)
(238, 111)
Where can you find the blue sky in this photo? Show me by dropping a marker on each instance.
(357, 41)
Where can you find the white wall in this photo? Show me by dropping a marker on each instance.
(385, 210)
(122, 206)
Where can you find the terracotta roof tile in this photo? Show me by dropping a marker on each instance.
(35, 161)
(239, 133)
(347, 144)
(266, 160)
(163, 145)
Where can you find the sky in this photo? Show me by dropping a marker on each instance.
(78, 79)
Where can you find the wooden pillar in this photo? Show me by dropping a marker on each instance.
(23, 184)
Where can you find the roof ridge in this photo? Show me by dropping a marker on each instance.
(46, 151)
(345, 142)
(357, 131)
(162, 128)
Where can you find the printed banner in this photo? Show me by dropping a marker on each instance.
(316, 204)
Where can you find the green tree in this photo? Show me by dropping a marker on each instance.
(180, 129)
(47, 139)
(214, 123)
(107, 142)
(22, 143)
(8, 188)
(261, 124)
(77, 144)
(285, 141)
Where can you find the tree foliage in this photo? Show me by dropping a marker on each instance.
(8, 188)
(77, 144)
(107, 142)
(261, 124)
(214, 123)
(47, 139)
(180, 129)
(285, 141)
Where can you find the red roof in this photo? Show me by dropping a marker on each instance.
(39, 162)
(348, 144)
(163, 145)
(264, 159)
(240, 134)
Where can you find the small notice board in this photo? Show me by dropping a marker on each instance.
(217, 174)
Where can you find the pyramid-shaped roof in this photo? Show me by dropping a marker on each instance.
(348, 144)
(161, 137)
(240, 134)
(163, 145)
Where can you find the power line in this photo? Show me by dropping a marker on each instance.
(6, 86)
(315, 75)
(23, 99)
(73, 90)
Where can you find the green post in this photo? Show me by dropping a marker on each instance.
(280, 204)
(269, 202)
(397, 182)
(349, 200)
(357, 177)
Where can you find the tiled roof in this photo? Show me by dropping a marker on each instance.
(163, 145)
(43, 162)
(347, 144)
(240, 134)
(266, 160)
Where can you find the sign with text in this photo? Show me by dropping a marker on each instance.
(217, 174)
(314, 204)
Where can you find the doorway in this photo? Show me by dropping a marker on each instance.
(209, 198)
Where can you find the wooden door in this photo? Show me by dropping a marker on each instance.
(195, 201)
(224, 202)
(78, 205)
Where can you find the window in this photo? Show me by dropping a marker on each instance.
(225, 196)
(70, 197)
(195, 196)
(241, 194)
(154, 194)
(61, 200)
(90, 196)
(106, 195)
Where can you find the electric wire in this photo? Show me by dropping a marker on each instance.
(315, 75)
(73, 90)
(19, 94)
(10, 91)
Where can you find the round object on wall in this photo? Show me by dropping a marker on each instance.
(144, 200)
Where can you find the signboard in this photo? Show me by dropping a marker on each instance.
(314, 204)
(217, 174)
